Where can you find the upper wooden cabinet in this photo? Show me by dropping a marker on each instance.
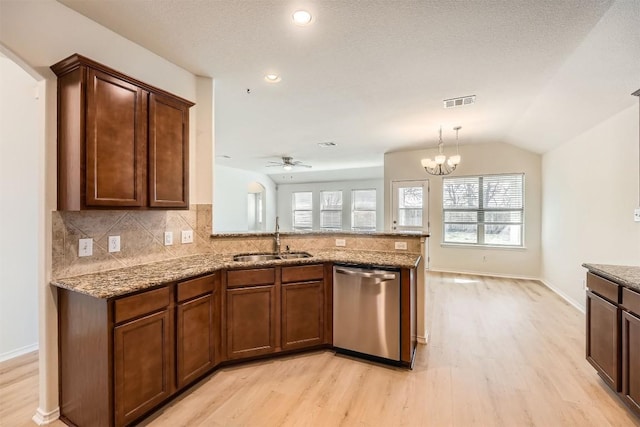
(121, 143)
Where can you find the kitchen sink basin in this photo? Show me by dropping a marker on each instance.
(270, 257)
(295, 255)
(255, 257)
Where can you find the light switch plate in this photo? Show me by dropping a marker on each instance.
(636, 215)
(187, 236)
(341, 242)
(85, 247)
(401, 245)
(114, 243)
(168, 238)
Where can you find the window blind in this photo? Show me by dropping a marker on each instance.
(486, 209)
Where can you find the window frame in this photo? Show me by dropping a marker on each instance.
(354, 210)
(294, 210)
(480, 214)
(341, 210)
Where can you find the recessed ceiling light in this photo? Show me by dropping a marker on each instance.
(272, 78)
(327, 144)
(301, 17)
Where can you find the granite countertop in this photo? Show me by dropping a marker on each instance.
(322, 233)
(122, 281)
(628, 276)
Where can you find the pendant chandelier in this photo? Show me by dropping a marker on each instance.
(440, 165)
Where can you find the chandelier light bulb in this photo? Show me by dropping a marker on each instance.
(440, 159)
(455, 160)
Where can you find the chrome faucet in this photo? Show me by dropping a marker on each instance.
(277, 236)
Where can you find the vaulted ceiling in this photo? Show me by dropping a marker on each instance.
(371, 75)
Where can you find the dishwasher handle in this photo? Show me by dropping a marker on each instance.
(381, 276)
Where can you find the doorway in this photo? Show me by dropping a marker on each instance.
(410, 209)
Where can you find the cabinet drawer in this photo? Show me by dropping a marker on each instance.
(141, 304)
(631, 301)
(603, 287)
(258, 276)
(196, 287)
(302, 273)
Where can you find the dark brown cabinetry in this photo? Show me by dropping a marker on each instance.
(631, 349)
(303, 306)
(613, 336)
(142, 363)
(121, 143)
(197, 328)
(603, 344)
(252, 313)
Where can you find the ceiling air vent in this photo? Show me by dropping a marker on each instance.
(459, 102)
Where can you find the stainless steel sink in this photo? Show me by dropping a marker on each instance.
(270, 257)
(255, 257)
(295, 255)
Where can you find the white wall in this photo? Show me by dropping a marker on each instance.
(590, 191)
(285, 192)
(477, 159)
(230, 199)
(19, 204)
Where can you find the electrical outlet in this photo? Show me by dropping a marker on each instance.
(168, 238)
(85, 247)
(636, 215)
(341, 242)
(187, 236)
(114, 243)
(401, 245)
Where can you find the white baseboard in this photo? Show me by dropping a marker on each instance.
(18, 352)
(482, 273)
(555, 290)
(43, 418)
(564, 296)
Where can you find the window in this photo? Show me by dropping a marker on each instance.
(363, 209)
(302, 206)
(483, 210)
(331, 210)
(410, 207)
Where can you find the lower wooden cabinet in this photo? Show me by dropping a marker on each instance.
(197, 328)
(251, 321)
(302, 314)
(142, 361)
(603, 342)
(631, 361)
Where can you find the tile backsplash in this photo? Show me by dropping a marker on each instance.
(142, 239)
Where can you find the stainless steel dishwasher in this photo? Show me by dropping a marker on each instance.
(366, 311)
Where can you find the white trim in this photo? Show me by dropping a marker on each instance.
(564, 296)
(18, 352)
(423, 340)
(555, 290)
(488, 274)
(42, 418)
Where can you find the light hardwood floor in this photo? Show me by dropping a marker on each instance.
(501, 352)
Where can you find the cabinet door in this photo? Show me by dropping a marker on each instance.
(603, 339)
(142, 365)
(631, 361)
(251, 321)
(196, 344)
(302, 315)
(115, 149)
(168, 152)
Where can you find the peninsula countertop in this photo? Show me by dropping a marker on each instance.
(625, 275)
(123, 281)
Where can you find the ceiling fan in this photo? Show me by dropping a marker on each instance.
(287, 164)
